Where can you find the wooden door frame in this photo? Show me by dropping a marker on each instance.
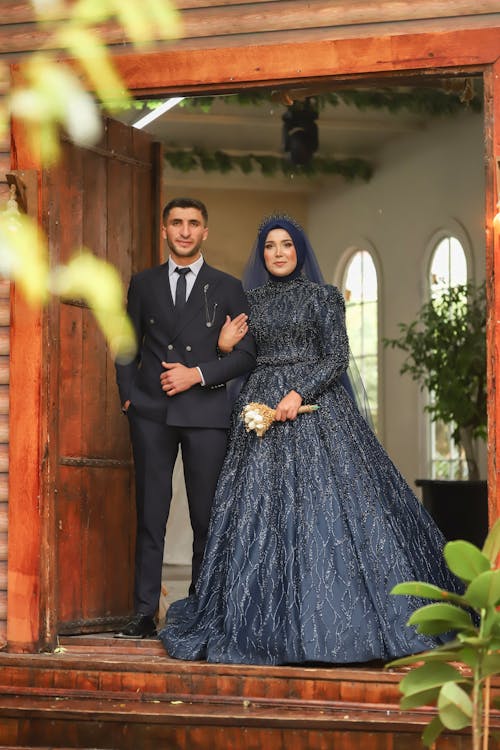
(222, 70)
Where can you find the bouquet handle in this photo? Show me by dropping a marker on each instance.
(307, 408)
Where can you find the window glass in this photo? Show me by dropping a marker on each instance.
(361, 295)
(448, 268)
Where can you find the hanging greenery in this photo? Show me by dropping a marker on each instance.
(456, 95)
(424, 101)
(187, 160)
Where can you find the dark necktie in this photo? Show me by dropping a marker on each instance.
(180, 290)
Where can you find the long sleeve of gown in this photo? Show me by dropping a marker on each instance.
(334, 344)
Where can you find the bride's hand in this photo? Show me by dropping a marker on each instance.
(232, 332)
(288, 406)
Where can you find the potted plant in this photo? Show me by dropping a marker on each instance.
(456, 676)
(446, 354)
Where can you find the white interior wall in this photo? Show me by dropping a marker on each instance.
(428, 182)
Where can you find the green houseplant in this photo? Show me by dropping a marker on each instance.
(456, 676)
(445, 348)
(446, 354)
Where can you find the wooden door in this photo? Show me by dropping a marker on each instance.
(105, 198)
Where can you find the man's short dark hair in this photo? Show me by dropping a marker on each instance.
(185, 203)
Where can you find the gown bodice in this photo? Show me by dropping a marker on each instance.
(300, 334)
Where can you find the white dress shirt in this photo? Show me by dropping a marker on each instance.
(173, 277)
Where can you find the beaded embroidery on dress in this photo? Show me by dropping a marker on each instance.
(312, 524)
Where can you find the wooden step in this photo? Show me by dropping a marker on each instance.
(158, 722)
(104, 693)
(138, 673)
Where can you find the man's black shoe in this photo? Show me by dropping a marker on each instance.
(140, 626)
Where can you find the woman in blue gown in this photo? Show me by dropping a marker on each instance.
(312, 524)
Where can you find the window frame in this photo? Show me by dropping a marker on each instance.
(356, 246)
(451, 229)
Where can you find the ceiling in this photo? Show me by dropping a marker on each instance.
(345, 131)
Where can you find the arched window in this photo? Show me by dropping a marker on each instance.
(360, 289)
(448, 267)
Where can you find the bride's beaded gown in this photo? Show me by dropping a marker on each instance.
(312, 524)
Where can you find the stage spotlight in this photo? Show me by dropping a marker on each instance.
(300, 132)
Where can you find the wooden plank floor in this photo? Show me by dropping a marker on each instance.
(102, 693)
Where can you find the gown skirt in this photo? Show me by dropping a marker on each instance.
(312, 524)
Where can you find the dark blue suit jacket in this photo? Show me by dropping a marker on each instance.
(162, 337)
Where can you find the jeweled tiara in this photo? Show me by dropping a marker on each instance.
(279, 217)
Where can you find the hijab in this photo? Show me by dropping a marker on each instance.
(298, 238)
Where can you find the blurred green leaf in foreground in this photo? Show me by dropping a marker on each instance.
(54, 96)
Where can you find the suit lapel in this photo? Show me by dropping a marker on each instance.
(164, 296)
(201, 298)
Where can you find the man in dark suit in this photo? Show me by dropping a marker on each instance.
(177, 310)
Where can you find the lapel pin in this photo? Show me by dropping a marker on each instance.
(209, 318)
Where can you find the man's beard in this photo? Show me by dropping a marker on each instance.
(182, 252)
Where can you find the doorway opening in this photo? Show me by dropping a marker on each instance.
(397, 160)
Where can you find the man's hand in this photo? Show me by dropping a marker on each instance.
(178, 378)
(288, 407)
(232, 332)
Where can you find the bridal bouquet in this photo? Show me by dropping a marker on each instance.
(259, 417)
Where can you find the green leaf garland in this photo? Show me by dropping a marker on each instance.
(429, 101)
(187, 160)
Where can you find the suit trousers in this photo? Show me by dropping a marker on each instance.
(155, 447)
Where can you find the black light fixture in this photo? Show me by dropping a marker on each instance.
(300, 132)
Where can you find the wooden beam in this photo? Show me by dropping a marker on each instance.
(263, 13)
(241, 24)
(228, 69)
(27, 441)
(492, 139)
(14, 11)
(25, 456)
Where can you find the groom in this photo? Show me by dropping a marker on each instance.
(177, 310)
